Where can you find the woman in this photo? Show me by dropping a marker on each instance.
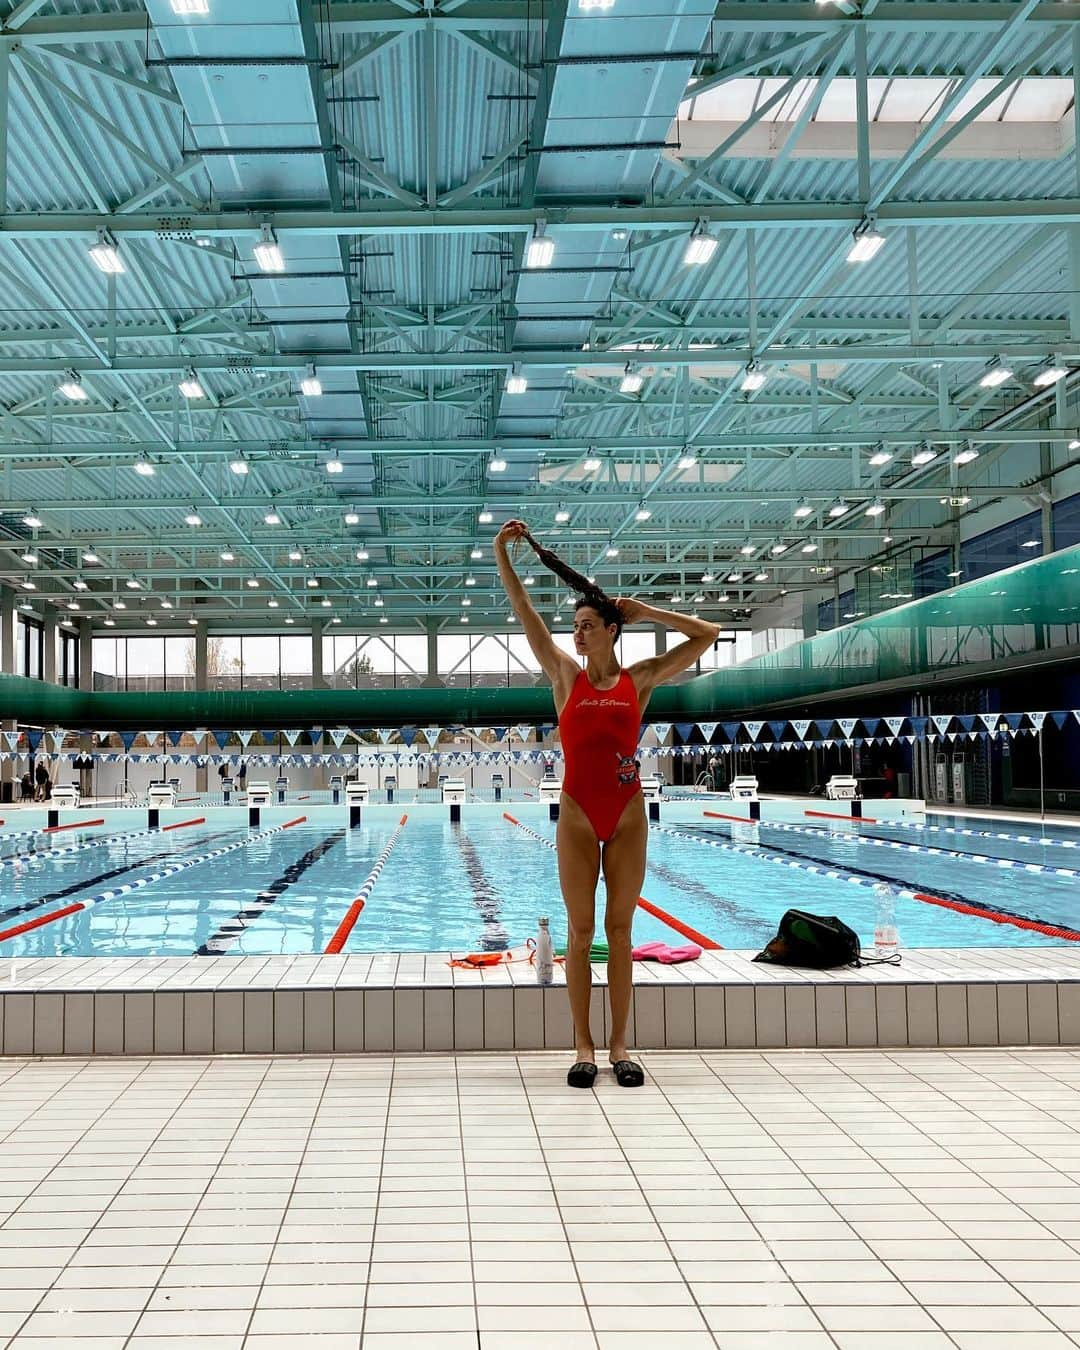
(602, 814)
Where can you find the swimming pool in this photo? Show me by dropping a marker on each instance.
(218, 887)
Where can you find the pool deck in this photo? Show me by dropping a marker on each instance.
(417, 1002)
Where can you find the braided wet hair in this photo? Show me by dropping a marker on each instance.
(591, 594)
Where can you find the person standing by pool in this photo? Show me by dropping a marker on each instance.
(602, 813)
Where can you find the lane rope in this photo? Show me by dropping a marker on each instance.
(345, 927)
(138, 885)
(834, 874)
(11, 859)
(672, 922)
(1042, 840)
(926, 850)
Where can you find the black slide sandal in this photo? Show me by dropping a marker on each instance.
(627, 1073)
(582, 1075)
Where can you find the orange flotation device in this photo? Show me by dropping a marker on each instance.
(480, 960)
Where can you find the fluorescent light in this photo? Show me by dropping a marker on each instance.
(382, 619)
(595, 6)
(466, 602)
(642, 513)
(72, 388)
(193, 518)
(540, 250)
(351, 518)
(1031, 543)
(994, 376)
(876, 509)
(227, 556)
(335, 465)
(295, 555)
(119, 604)
(687, 462)
(496, 464)
(290, 619)
(761, 576)
(612, 551)
(632, 381)
(803, 510)
(252, 583)
(965, 456)
(476, 554)
(87, 558)
(1050, 375)
(838, 509)
(484, 517)
(191, 6)
(516, 383)
(562, 516)
(166, 604)
(271, 518)
(311, 385)
(753, 378)
(867, 243)
(105, 255)
(809, 548)
(529, 581)
(110, 623)
(144, 468)
(362, 555)
(777, 549)
(34, 522)
(326, 604)
(190, 386)
(271, 604)
(30, 558)
(378, 602)
(268, 256)
(879, 458)
(239, 466)
(957, 573)
(372, 581)
(28, 586)
(924, 456)
(313, 583)
(471, 581)
(591, 465)
(700, 246)
(748, 550)
(132, 584)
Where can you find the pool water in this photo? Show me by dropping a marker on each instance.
(483, 884)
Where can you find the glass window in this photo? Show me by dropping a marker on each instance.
(180, 663)
(296, 661)
(145, 663)
(260, 666)
(224, 662)
(69, 659)
(31, 647)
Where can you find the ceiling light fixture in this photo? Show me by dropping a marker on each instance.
(311, 385)
(362, 555)
(880, 458)
(923, 456)
(351, 518)
(145, 468)
(632, 380)
(193, 519)
(476, 554)
(966, 456)
(271, 518)
(876, 508)
(496, 464)
(252, 583)
(562, 515)
(838, 509)
(1050, 374)
(642, 513)
(105, 255)
(30, 558)
(484, 517)
(809, 548)
(190, 386)
(516, 383)
(700, 246)
(802, 510)
(268, 254)
(32, 521)
(90, 558)
(80, 585)
(590, 465)
(997, 374)
(753, 378)
(867, 242)
(540, 250)
(611, 551)
(71, 387)
(334, 465)
(191, 6)
(239, 466)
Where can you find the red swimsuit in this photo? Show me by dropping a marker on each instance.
(599, 729)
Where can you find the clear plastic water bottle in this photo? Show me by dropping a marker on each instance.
(545, 954)
(886, 938)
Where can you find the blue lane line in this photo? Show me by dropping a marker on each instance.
(233, 930)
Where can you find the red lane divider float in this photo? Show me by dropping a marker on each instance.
(719, 815)
(831, 815)
(676, 925)
(181, 824)
(998, 916)
(304, 797)
(75, 825)
(40, 921)
(345, 927)
(181, 800)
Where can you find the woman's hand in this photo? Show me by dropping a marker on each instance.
(630, 609)
(513, 529)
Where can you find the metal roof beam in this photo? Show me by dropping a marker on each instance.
(388, 219)
(966, 17)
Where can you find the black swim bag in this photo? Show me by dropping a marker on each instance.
(812, 940)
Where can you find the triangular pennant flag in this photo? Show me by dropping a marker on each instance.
(384, 734)
(245, 738)
(128, 738)
(707, 729)
(12, 738)
(1011, 720)
(731, 730)
(802, 726)
(989, 721)
(660, 731)
(431, 734)
(221, 737)
(966, 720)
(1037, 719)
(824, 727)
(684, 729)
(34, 737)
(894, 724)
(1059, 719)
(524, 731)
(338, 734)
(408, 735)
(291, 736)
(777, 729)
(918, 726)
(174, 737)
(847, 725)
(942, 720)
(753, 729)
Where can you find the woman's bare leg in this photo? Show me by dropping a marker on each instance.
(624, 872)
(579, 871)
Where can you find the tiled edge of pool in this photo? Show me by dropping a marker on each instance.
(415, 1002)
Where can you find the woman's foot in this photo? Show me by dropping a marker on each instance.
(583, 1073)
